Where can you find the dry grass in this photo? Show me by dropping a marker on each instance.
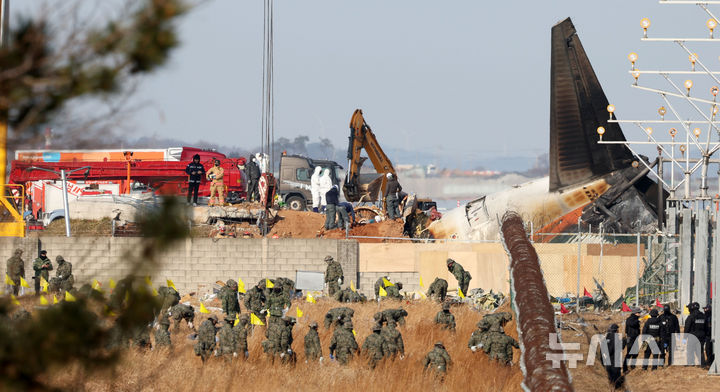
(181, 370)
(79, 227)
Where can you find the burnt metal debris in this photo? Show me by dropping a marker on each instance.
(535, 315)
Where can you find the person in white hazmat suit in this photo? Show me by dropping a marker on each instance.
(325, 185)
(315, 188)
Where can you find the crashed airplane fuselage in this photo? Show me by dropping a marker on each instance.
(598, 183)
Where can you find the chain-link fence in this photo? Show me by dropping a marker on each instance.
(612, 268)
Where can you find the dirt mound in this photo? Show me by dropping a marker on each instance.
(297, 224)
(391, 229)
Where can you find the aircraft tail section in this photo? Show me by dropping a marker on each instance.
(578, 106)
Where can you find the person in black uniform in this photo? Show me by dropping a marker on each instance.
(709, 349)
(196, 171)
(632, 331)
(391, 197)
(695, 325)
(668, 326)
(613, 369)
(652, 328)
(252, 173)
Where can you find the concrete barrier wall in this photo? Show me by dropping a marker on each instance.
(192, 264)
(195, 264)
(488, 265)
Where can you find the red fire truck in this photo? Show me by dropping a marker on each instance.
(117, 172)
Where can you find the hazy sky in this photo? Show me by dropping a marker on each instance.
(464, 77)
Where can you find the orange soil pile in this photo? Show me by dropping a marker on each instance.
(297, 224)
(392, 229)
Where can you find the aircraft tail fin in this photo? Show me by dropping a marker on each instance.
(578, 106)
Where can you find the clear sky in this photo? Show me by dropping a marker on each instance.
(463, 77)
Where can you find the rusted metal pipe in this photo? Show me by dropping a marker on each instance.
(535, 314)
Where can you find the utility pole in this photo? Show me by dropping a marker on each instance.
(4, 40)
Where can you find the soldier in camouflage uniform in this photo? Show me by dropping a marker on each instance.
(255, 299)
(271, 345)
(16, 269)
(499, 346)
(347, 295)
(313, 350)
(337, 316)
(64, 274)
(438, 358)
(288, 287)
(463, 277)
(343, 344)
(334, 276)
(162, 335)
(398, 315)
(380, 283)
(277, 304)
(477, 339)
(498, 320)
(445, 318)
(169, 297)
(226, 341)
(438, 290)
(375, 347)
(229, 298)
(181, 312)
(42, 267)
(287, 354)
(241, 332)
(206, 338)
(393, 339)
(393, 292)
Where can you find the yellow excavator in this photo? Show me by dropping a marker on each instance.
(369, 187)
(366, 186)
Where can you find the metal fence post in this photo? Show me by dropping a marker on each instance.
(577, 297)
(637, 272)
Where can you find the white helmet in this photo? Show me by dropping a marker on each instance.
(389, 175)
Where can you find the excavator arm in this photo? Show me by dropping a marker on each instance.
(362, 137)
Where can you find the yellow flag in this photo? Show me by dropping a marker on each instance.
(298, 312)
(354, 333)
(109, 312)
(352, 286)
(8, 280)
(422, 295)
(421, 282)
(24, 282)
(55, 301)
(155, 293)
(96, 285)
(387, 282)
(237, 319)
(310, 299)
(44, 284)
(686, 311)
(112, 284)
(255, 320)
(382, 292)
(148, 280)
(69, 297)
(269, 284)
(460, 293)
(241, 286)
(44, 301)
(14, 300)
(171, 284)
(647, 316)
(203, 309)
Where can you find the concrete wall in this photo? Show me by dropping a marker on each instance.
(193, 264)
(488, 265)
